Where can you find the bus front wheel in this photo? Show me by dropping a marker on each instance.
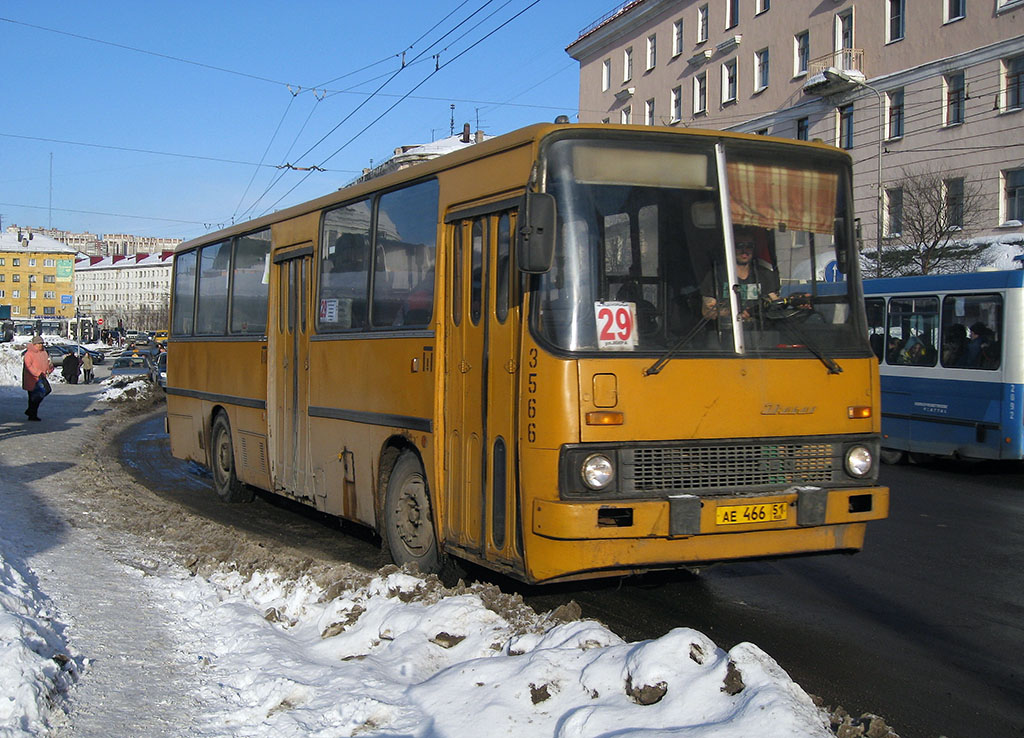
(408, 520)
(222, 463)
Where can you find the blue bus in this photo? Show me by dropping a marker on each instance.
(951, 363)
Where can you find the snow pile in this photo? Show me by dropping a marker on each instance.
(34, 663)
(123, 389)
(401, 657)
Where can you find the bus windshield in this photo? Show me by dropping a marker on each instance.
(651, 257)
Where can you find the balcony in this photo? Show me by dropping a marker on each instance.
(834, 73)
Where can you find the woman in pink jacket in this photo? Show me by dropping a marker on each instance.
(37, 366)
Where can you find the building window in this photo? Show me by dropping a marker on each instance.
(702, 24)
(954, 110)
(649, 112)
(844, 40)
(627, 64)
(801, 53)
(626, 115)
(1014, 91)
(894, 212)
(652, 51)
(896, 13)
(760, 70)
(31, 262)
(1014, 179)
(894, 104)
(49, 295)
(49, 311)
(677, 104)
(15, 294)
(16, 262)
(845, 127)
(729, 81)
(700, 93)
(732, 13)
(803, 128)
(49, 262)
(677, 37)
(762, 6)
(15, 277)
(606, 75)
(953, 191)
(955, 10)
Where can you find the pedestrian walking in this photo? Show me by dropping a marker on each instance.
(36, 366)
(87, 368)
(70, 368)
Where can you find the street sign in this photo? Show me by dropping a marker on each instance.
(99, 321)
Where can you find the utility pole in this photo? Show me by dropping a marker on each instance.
(452, 131)
(49, 224)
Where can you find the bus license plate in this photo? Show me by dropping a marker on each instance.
(744, 514)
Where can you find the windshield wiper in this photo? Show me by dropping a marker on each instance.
(660, 363)
(785, 316)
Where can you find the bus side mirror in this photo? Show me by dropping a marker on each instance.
(536, 244)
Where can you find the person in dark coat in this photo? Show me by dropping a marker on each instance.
(70, 368)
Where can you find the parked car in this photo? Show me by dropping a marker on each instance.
(159, 371)
(129, 366)
(58, 351)
(160, 337)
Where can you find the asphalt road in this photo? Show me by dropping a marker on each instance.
(925, 627)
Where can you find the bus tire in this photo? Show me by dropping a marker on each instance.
(222, 464)
(408, 531)
(893, 456)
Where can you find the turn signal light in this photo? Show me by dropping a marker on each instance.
(858, 412)
(605, 418)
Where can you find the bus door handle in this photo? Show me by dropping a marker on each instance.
(464, 366)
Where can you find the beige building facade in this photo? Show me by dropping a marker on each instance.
(37, 278)
(928, 85)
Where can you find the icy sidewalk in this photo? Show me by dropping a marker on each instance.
(133, 682)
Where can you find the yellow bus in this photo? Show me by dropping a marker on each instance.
(570, 351)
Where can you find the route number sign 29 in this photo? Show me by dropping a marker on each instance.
(616, 325)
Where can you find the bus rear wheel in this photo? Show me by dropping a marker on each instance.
(222, 463)
(408, 519)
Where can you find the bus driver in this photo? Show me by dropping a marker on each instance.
(753, 281)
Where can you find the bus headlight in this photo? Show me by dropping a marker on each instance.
(597, 471)
(859, 461)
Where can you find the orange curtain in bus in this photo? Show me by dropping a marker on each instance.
(767, 195)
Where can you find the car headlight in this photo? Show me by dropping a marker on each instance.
(859, 461)
(597, 471)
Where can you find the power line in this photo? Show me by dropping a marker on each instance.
(95, 212)
(151, 151)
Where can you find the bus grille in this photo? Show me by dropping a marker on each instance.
(657, 470)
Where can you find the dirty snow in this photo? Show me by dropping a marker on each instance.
(263, 652)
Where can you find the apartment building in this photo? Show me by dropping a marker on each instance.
(932, 85)
(37, 276)
(135, 290)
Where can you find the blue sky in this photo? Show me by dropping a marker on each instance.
(168, 119)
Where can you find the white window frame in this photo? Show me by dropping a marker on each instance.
(730, 80)
(762, 6)
(841, 19)
(895, 11)
(700, 93)
(945, 202)
(677, 104)
(798, 57)
(606, 75)
(840, 138)
(762, 71)
(947, 11)
(649, 112)
(889, 134)
(627, 64)
(677, 38)
(732, 14)
(1005, 81)
(887, 229)
(626, 115)
(946, 106)
(652, 51)
(703, 23)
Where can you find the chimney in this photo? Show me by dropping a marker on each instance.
(465, 134)
(479, 138)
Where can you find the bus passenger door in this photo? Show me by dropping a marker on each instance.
(289, 368)
(480, 510)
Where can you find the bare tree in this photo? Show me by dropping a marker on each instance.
(931, 216)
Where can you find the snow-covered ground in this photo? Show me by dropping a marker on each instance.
(264, 653)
